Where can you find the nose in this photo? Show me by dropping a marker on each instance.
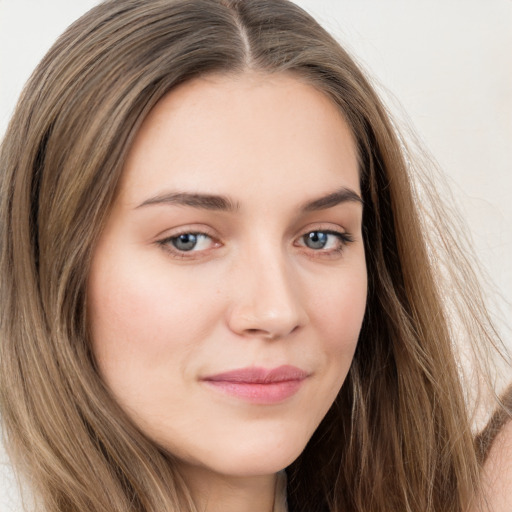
(266, 299)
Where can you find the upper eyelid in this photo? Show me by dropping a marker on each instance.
(183, 230)
(169, 233)
(189, 232)
(326, 227)
(175, 232)
(344, 236)
(167, 245)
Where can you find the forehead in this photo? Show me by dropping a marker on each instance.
(253, 130)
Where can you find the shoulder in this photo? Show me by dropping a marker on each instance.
(497, 471)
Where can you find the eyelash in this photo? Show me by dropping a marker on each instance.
(167, 244)
(344, 239)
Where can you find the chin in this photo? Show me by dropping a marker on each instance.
(256, 458)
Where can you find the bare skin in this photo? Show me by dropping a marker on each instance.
(235, 242)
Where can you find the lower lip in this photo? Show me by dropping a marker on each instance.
(258, 393)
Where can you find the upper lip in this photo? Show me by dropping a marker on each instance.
(259, 375)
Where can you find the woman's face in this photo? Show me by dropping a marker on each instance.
(228, 287)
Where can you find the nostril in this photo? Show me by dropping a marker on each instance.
(262, 333)
(268, 334)
(259, 332)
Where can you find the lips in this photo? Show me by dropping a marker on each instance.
(259, 385)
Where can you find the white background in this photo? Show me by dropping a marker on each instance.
(447, 62)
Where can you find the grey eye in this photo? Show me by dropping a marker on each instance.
(185, 242)
(316, 239)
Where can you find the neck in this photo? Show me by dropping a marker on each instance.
(213, 492)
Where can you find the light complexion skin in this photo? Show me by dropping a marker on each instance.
(228, 287)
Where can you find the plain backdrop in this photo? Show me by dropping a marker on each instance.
(447, 63)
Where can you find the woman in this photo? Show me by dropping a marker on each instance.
(214, 270)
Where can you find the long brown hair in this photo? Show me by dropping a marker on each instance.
(398, 436)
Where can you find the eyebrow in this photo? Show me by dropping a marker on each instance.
(223, 203)
(195, 200)
(343, 195)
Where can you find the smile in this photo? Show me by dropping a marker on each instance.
(259, 385)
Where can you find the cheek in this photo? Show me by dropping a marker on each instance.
(337, 313)
(339, 310)
(142, 323)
